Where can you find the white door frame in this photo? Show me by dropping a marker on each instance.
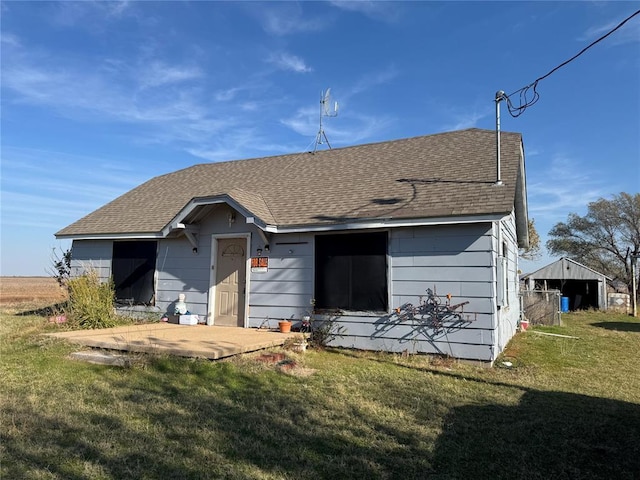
(211, 302)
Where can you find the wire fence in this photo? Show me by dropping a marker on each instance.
(541, 307)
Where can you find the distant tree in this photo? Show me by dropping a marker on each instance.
(533, 251)
(605, 239)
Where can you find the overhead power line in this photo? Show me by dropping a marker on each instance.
(529, 95)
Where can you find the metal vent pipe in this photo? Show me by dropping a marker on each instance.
(499, 98)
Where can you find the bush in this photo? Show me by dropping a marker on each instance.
(91, 302)
(325, 331)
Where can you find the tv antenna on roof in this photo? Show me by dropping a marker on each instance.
(326, 110)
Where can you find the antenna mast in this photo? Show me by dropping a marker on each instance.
(325, 111)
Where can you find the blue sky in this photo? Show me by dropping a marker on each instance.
(98, 97)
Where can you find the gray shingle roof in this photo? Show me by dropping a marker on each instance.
(446, 174)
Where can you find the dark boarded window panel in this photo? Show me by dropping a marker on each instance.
(351, 271)
(133, 266)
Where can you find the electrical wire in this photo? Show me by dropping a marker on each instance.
(529, 95)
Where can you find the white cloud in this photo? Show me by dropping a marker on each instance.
(227, 94)
(359, 128)
(285, 18)
(384, 11)
(117, 8)
(69, 88)
(348, 129)
(9, 40)
(17, 204)
(65, 176)
(49, 189)
(562, 188)
(531, 152)
(170, 103)
(556, 190)
(304, 121)
(628, 33)
(88, 14)
(468, 120)
(372, 79)
(461, 120)
(114, 91)
(173, 104)
(287, 61)
(158, 73)
(249, 106)
(233, 146)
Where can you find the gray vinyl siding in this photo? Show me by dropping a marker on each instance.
(461, 260)
(454, 259)
(506, 283)
(469, 351)
(285, 291)
(178, 271)
(93, 255)
(430, 258)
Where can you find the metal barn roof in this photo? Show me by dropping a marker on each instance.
(566, 269)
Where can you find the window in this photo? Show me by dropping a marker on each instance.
(132, 266)
(351, 271)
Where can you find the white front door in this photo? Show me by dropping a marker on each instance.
(230, 278)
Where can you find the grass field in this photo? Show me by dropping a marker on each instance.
(567, 408)
(29, 292)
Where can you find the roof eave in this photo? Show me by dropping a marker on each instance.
(377, 223)
(365, 224)
(110, 236)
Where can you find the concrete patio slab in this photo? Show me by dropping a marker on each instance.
(101, 357)
(182, 340)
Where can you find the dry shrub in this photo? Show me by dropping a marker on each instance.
(91, 302)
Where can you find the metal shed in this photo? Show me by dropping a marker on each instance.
(583, 286)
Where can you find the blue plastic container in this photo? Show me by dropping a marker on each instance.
(564, 304)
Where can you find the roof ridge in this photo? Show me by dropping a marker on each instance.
(360, 145)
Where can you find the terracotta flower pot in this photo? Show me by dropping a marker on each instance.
(285, 326)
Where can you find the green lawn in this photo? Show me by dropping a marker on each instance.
(567, 409)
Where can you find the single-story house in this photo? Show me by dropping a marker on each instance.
(360, 235)
(584, 287)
